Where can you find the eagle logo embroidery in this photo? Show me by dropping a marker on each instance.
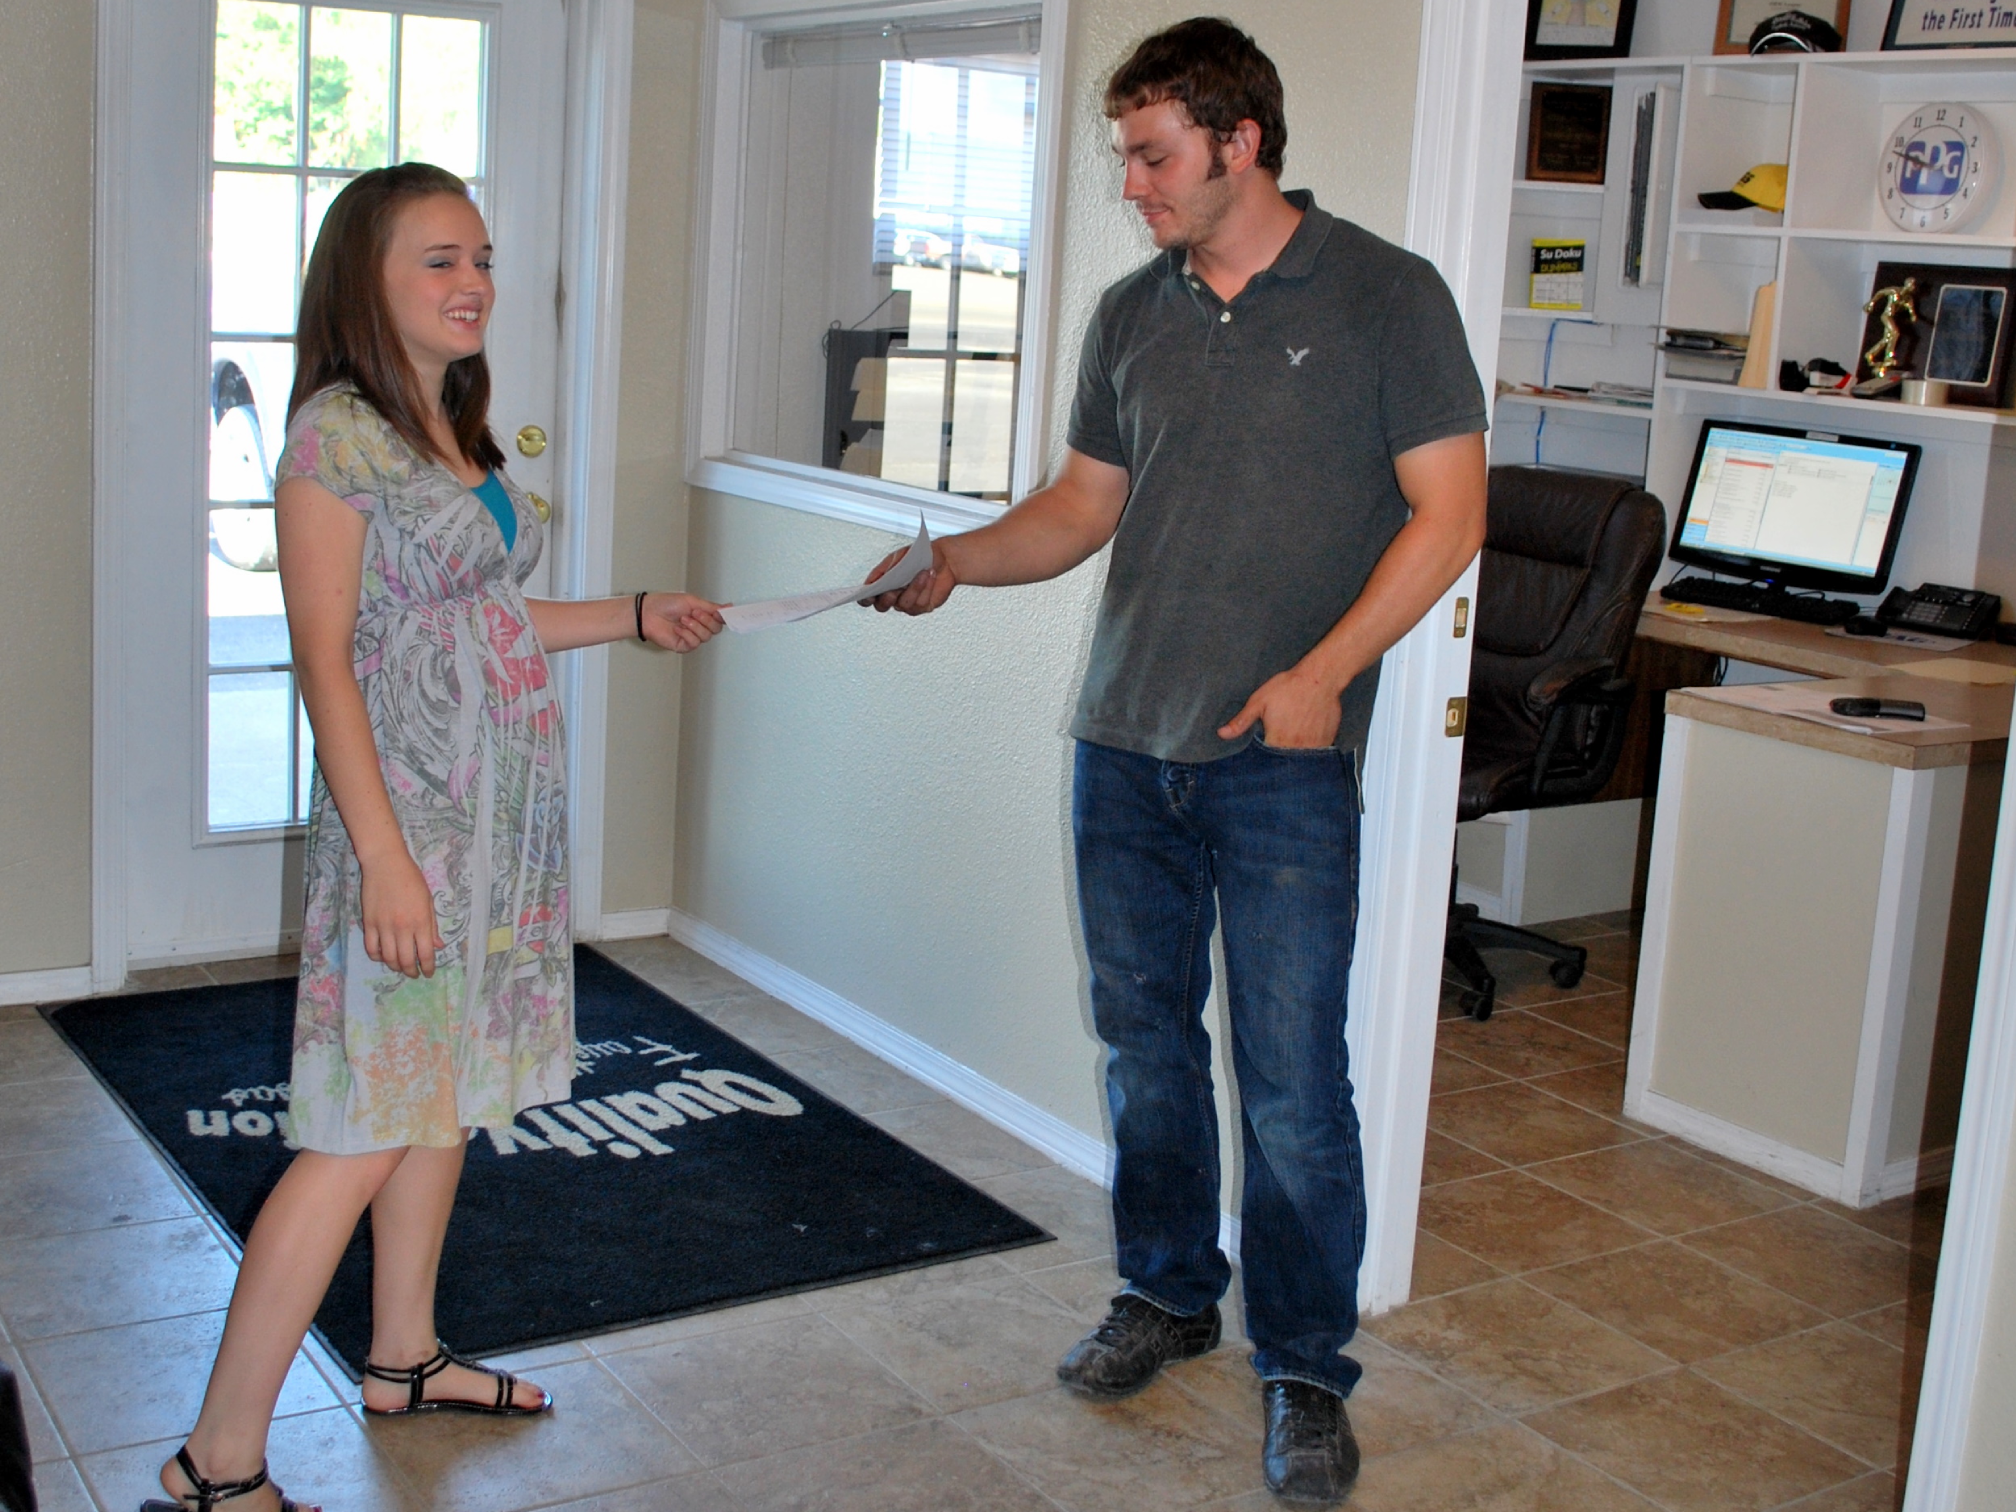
(1295, 357)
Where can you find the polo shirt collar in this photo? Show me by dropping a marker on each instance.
(1296, 260)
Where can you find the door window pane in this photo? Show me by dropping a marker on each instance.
(263, 225)
(441, 93)
(250, 774)
(252, 282)
(248, 617)
(349, 89)
(249, 384)
(258, 76)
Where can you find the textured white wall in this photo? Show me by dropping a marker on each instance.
(883, 805)
(46, 74)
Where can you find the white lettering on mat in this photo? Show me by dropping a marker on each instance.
(623, 1124)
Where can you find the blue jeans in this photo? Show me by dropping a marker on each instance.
(1269, 841)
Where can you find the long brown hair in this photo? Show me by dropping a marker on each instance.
(346, 334)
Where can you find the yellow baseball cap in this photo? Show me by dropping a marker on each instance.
(1763, 186)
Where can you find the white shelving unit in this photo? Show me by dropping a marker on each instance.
(1825, 116)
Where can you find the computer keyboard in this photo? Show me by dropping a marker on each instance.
(1755, 598)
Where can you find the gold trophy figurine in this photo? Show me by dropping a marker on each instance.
(1882, 357)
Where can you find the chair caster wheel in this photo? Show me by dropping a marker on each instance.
(1565, 973)
(1478, 1005)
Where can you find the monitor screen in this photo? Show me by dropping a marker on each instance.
(1806, 508)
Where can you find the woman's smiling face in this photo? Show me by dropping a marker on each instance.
(437, 280)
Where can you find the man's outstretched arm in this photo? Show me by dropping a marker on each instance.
(1444, 484)
(1048, 533)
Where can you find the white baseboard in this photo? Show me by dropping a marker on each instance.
(44, 986)
(1042, 1131)
(634, 924)
(1815, 1173)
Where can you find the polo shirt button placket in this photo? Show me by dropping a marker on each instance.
(1222, 344)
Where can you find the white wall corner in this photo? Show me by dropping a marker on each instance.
(595, 189)
(1950, 1406)
(1459, 199)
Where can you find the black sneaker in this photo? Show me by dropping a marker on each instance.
(1311, 1454)
(1122, 1354)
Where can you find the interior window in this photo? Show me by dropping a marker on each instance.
(886, 215)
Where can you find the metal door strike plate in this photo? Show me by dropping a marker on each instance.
(1457, 719)
(1462, 618)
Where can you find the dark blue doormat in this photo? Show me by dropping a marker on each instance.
(688, 1173)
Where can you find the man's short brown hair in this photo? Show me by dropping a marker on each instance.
(1216, 73)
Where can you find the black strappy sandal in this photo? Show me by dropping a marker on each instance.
(209, 1493)
(415, 1381)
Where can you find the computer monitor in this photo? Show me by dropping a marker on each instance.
(1800, 508)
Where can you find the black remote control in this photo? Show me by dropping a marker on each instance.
(1878, 708)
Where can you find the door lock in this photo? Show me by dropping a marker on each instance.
(531, 441)
(541, 508)
(1462, 618)
(1457, 719)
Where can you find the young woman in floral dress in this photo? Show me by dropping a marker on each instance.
(436, 960)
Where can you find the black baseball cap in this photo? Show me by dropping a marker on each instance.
(1794, 31)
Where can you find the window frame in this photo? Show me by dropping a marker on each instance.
(733, 48)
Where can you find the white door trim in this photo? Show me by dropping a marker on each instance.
(1458, 206)
(1948, 1412)
(596, 186)
(595, 193)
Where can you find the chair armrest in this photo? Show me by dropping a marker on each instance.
(1583, 680)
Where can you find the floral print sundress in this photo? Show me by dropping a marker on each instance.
(468, 730)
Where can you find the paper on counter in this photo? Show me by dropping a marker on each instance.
(1810, 701)
(744, 618)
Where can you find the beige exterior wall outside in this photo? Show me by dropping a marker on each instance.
(884, 805)
(46, 112)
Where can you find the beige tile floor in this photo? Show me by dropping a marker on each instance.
(1603, 1319)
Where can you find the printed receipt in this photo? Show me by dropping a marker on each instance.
(744, 618)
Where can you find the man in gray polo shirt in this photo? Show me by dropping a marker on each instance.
(1277, 426)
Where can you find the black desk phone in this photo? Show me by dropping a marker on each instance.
(1965, 613)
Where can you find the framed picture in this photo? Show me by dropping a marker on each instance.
(1568, 133)
(1739, 18)
(1961, 335)
(1579, 28)
(1930, 23)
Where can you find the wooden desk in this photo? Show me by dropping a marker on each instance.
(1812, 925)
(1803, 648)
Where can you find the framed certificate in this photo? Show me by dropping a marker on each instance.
(1927, 23)
(1739, 18)
(1579, 28)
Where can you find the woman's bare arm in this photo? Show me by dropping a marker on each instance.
(321, 570)
(675, 621)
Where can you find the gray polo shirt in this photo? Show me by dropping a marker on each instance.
(1259, 440)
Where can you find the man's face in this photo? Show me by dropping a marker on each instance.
(1176, 175)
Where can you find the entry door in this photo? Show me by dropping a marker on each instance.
(233, 162)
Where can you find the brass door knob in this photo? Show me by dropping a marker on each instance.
(541, 508)
(531, 440)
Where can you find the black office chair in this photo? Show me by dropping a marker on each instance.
(1568, 558)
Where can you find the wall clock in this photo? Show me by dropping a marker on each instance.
(1939, 166)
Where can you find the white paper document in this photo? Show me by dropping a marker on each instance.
(743, 618)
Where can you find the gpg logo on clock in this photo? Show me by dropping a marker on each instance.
(1940, 165)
